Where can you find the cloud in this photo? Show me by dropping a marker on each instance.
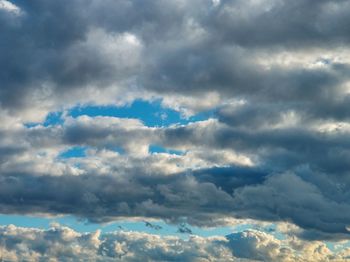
(62, 243)
(208, 178)
(9, 7)
(137, 52)
(104, 198)
(276, 148)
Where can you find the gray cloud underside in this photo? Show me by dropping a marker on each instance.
(74, 46)
(107, 187)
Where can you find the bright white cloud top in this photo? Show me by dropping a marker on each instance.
(194, 113)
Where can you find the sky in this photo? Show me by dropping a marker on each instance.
(158, 130)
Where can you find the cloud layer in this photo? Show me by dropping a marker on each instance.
(234, 49)
(62, 243)
(274, 74)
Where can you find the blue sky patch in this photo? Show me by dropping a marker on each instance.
(77, 151)
(53, 118)
(150, 113)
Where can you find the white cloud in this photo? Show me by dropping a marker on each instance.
(62, 243)
(9, 7)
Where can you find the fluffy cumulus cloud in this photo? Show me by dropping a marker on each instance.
(64, 244)
(274, 76)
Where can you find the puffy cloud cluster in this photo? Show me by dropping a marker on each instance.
(64, 244)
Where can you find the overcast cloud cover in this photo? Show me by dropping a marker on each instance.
(275, 77)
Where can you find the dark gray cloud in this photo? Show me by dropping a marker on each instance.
(198, 198)
(66, 45)
(270, 23)
(104, 198)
